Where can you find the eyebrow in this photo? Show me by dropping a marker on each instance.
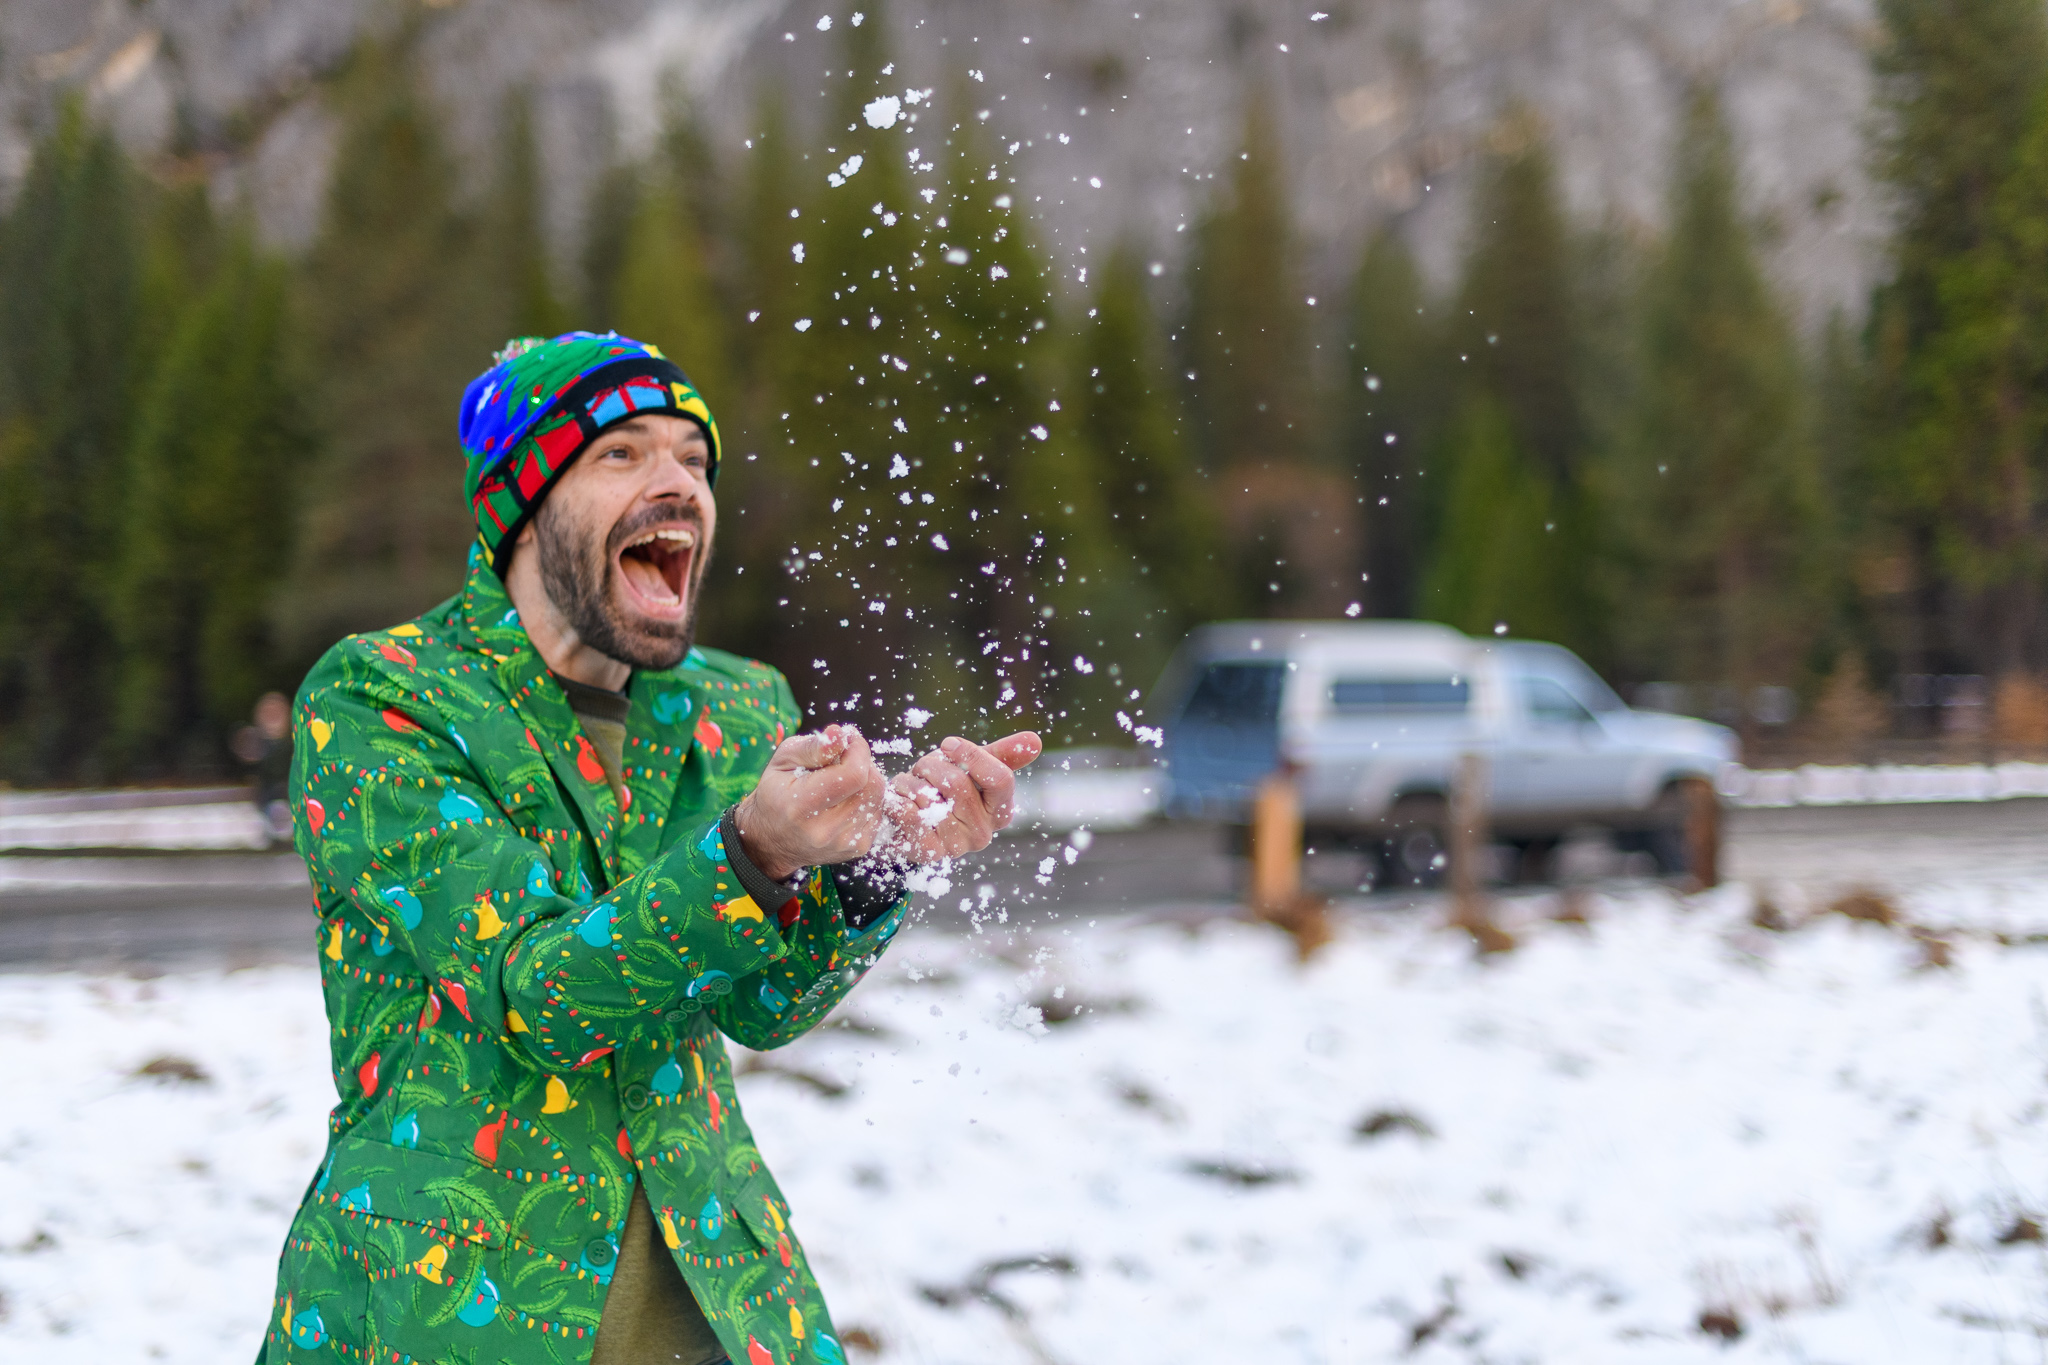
(639, 426)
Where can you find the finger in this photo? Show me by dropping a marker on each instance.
(997, 783)
(1016, 751)
(825, 789)
(944, 773)
(854, 744)
(812, 751)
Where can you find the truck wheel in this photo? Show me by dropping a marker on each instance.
(1684, 836)
(1414, 852)
(1535, 859)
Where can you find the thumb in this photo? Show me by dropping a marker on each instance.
(810, 751)
(852, 743)
(1016, 751)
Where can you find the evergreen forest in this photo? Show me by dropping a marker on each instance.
(954, 483)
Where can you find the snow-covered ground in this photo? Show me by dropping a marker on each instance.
(1170, 1142)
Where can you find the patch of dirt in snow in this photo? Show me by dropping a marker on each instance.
(1665, 1135)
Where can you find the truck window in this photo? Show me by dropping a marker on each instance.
(1354, 696)
(1225, 739)
(1550, 704)
(1242, 696)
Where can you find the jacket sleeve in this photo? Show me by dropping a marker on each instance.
(790, 995)
(400, 831)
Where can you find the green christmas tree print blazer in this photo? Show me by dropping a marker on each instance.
(527, 978)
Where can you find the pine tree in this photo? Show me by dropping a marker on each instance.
(1515, 329)
(853, 380)
(1037, 596)
(1248, 332)
(69, 313)
(1957, 80)
(1248, 347)
(607, 219)
(1980, 449)
(1515, 341)
(518, 277)
(398, 320)
(1125, 407)
(679, 278)
(207, 469)
(1496, 563)
(666, 291)
(1389, 417)
(1715, 499)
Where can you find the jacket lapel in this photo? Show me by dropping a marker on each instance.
(665, 761)
(493, 626)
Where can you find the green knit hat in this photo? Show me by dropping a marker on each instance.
(528, 417)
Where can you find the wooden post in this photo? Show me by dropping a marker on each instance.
(1276, 893)
(1276, 845)
(1702, 833)
(1471, 909)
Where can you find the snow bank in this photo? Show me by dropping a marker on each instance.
(1155, 1143)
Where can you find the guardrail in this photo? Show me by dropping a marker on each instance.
(1817, 784)
(1085, 792)
(188, 818)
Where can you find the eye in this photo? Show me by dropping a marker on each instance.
(617, 453)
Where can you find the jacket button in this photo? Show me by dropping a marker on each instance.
(636, 1096)
(599, 1252)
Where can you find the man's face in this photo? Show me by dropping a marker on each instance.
(624, 537)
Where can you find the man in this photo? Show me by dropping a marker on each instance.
(557, 852)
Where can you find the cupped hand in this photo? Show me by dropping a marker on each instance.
(955, 798)
(818, 802)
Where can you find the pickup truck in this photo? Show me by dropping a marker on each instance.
(1374, 716)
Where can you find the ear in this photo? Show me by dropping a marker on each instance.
(526, 534)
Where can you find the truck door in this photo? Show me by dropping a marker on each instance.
(1558, 761)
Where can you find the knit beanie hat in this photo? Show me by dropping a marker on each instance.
(527, 418)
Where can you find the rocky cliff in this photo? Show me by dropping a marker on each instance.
(1120, 115)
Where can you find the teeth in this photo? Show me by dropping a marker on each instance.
(682, 539)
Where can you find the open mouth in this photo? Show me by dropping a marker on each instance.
(656, 567)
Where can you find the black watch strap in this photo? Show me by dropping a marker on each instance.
(768, 893)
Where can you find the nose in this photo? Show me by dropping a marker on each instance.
(673, 478)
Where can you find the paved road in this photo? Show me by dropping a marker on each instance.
(157, 911)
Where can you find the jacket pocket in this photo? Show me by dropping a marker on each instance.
(458, 1255)
(377, 1183)
(761, 1207)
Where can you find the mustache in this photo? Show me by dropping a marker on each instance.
(649, 518)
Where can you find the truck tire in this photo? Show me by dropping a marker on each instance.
(1672, 839)
(1415, 850)
(1536, 859)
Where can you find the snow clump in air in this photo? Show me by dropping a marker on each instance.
(883, 112)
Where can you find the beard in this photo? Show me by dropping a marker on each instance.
(579, 568)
